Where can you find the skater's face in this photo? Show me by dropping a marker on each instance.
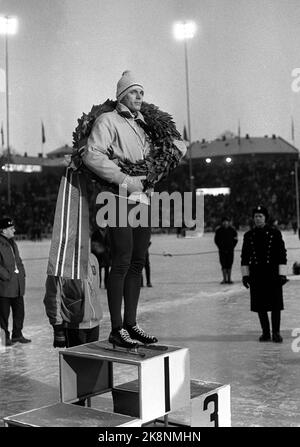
(133, 99)
(259, 219)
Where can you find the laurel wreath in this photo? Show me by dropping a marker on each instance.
(163, 156)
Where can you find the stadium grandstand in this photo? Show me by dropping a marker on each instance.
(254, 170)
(34, 187)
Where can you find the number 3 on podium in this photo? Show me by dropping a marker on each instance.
(213, 416)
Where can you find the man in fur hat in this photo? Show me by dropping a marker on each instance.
(263, 264)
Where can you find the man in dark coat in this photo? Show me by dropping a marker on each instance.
(12, 284)
(263, 261)
(226, 239)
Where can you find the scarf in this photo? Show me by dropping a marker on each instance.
(69, 249)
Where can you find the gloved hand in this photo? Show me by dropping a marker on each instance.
(283, 279)
(246, 281)
(59, 340)
(133, 184)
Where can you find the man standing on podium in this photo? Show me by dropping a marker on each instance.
(123, 133)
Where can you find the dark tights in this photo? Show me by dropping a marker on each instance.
(128, 249)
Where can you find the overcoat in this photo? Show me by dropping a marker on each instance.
(226, 239)
(12, 272)
(263, 259)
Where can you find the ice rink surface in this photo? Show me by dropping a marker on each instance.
(187, 307)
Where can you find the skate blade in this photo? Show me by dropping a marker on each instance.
(125, 351)
(155, 347)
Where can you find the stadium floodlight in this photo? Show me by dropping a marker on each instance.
(8, 26)
(208, 160)
(228, 160)
(185, 31)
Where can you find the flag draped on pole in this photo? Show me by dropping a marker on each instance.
(2, 135)
(185, 135)
(292, 130)
(69, 248)
(43, 134)
(239, 133)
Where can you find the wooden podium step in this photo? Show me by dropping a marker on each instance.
(162, 385)
(209, 406)
(162, 392)
(68, 415)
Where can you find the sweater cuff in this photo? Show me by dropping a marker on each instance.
(245, 270)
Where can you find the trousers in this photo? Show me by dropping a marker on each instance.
(16, 304)
(265, 324)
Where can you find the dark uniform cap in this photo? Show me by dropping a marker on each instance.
(6, 222)
(261, 210)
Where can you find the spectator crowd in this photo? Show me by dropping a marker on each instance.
(269, 180)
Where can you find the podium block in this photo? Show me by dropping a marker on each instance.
(209, 406)
(68, 415)
(163, 383)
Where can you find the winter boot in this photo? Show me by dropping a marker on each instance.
(265, 337)
(276, 337)
(224, 277)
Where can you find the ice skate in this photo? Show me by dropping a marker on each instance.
(137, 333)
(122, 342)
